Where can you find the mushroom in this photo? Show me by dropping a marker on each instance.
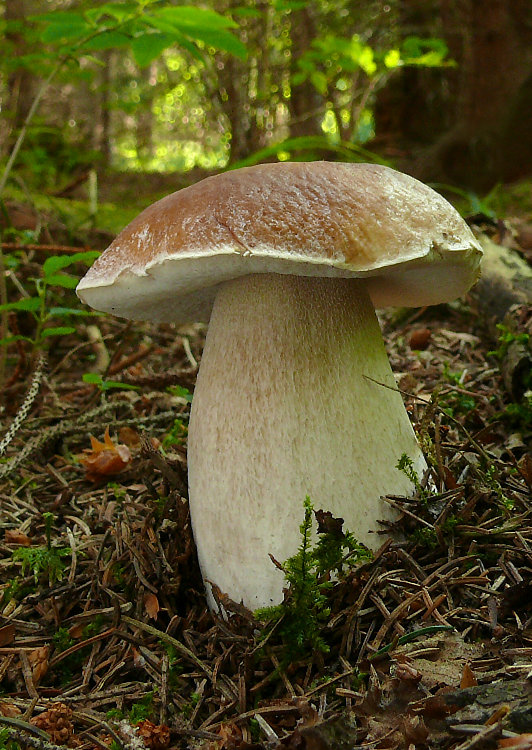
(295, 395)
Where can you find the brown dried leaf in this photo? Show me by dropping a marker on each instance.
(14, 536)
(328, 524)
(521, 742)
(525, 468)
(414, 730)
(7, 634)
(468, 678)
(129, 437)
(9, 710)
(38, 659)
(151, 605)
(104, 459)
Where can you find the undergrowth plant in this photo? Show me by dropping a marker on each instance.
(300, 618)
(41, 302)
(45, 559)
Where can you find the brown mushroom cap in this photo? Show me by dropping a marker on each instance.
(303, 218)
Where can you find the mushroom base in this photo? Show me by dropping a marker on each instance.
(290, 401)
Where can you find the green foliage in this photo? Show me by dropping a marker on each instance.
(299, 619)
(177, 435)
(138, 711)
(38, 560)
(104, 385)
(505, 339)
(145, 26)
(180, 392)
(342, 68)
(47, 559)
(455, 402)
(42, 304)
(406, 466)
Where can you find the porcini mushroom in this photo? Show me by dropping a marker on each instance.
(295, 395)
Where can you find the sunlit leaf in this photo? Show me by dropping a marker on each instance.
(221, 40)
(189, 17)
(319, 81)
(366, 61)
(175, 36)
(149, 46)
(392, 58)
(118, 11)
(107, 40)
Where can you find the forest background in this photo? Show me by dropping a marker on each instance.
(439, 88)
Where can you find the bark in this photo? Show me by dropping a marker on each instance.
(305, 104)
(474, 120)
(20, 83)
(491, 43)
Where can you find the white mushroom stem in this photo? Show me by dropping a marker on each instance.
(286, 405)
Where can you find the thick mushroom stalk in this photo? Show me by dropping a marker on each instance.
(286, 405)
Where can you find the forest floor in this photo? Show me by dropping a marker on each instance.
(105, 636)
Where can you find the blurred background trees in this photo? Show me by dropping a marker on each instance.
(439, 88)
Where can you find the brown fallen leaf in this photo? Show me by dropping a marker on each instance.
(151, 605)
(7, 634)
(521, 742)
(468, 678)
(38, 659)
(104, 459)
(15, 536)
(9, 710)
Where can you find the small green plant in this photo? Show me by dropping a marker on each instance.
(406, 465)
(181, 392)
(41, 305)
(506, 338)
(104, 385)
(46, 559)
(138, 711)
(176, 435)
(300, 617)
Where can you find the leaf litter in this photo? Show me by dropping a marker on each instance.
(428, 645)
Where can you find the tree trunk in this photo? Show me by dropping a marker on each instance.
(305, 104)
(491, 43)
(20, 83)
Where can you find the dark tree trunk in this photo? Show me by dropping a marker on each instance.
(20, 83)
(473, 120)
(305, 104)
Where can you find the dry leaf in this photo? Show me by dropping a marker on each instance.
(129, 437)
(14, 536)
(38, 659)
(9, 710)
(521, 742)
(468, 678)
(7, 635)
(151, 605)
(104, 459)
